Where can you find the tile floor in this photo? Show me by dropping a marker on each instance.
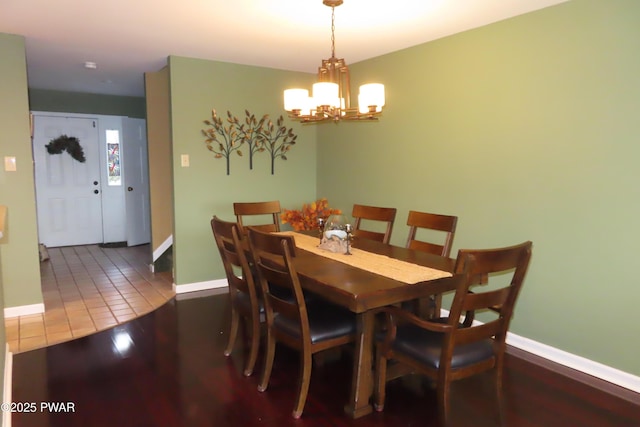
(88, 289)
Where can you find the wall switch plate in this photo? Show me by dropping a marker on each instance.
(184, 160)
(10, 163)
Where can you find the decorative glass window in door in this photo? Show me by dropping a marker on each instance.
(113, 157)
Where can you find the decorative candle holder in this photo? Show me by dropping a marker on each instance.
(320, 228)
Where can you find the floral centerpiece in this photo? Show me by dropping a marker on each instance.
(307, 217)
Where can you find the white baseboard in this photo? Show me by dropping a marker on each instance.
(23, 310)
(8, 384)
(579, 363)
(162, 248)
(200, 286)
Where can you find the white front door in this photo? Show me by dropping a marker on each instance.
(136, 177)
(67, 190)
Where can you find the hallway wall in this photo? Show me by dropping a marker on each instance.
(20, 262)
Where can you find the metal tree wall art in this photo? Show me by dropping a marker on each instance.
(272, 134)
(259, 136)
(222, 140)
(252, 134)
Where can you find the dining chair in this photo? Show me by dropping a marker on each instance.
(258, 209)
(427, 222)
(431, 221)
(450, 349)
(247, 309)
(373, 213)
(307, 326)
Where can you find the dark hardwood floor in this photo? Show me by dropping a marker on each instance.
(167, 369)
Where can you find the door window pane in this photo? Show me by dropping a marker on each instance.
(113, 157)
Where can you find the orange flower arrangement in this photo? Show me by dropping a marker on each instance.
(307, 217)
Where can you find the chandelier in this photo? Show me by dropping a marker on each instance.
(331, 100)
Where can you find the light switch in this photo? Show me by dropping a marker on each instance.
(9, 163)
(184, 160)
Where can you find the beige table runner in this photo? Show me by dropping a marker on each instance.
(401, 271)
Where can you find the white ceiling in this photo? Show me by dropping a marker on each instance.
(127, 38)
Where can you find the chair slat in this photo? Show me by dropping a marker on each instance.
(270, 209)
(373, 213)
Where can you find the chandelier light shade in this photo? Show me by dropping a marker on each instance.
(330, 99)
(297, 99)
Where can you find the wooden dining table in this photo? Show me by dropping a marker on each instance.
(363, 291)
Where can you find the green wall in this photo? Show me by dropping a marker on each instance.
(19, 246)
(526, 129)
(86, 103)
(204, 189)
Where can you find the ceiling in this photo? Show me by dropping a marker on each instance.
(128, 38)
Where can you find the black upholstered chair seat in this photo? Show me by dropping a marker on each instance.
(425, 346)
(326, 321)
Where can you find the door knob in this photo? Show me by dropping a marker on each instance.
(95, 191)
(129, 188)
(95, 182)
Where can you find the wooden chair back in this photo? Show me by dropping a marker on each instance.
(427, 222)
(269, 209)
(243, 294)
(373, 213)
(229, 245)
(505, 262)
(273, 256)
(431, 221)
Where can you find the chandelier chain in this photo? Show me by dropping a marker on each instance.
(333, 30)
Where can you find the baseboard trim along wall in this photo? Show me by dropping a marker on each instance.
(162, 248)
(7, 386)
(587, 366)
(201, 286)
(569, 360)
(23, 310)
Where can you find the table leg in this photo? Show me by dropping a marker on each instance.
(362, 377)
